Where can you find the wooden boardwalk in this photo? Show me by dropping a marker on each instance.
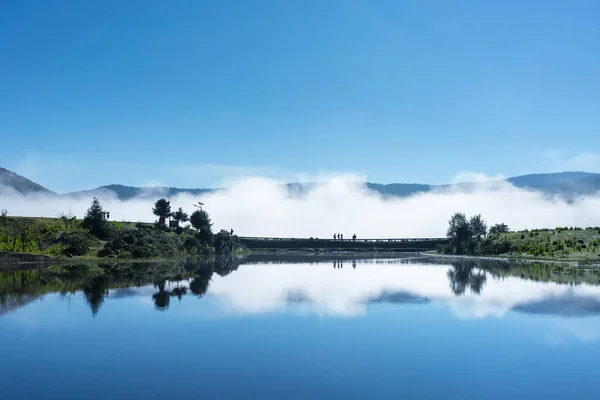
(379, 244)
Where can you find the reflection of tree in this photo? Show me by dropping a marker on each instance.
(94, 293)
(464, 275)
(224, 265)
(200, 283)
(179, 292)
(162, 298)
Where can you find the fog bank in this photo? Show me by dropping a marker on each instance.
(339, 204)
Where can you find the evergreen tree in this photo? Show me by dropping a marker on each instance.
(180, 216)
(162, 209)
(200, 220)
(94, 219)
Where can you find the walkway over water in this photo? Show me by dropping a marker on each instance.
(385, 244)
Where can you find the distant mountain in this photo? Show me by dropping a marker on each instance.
(129, 192)
(561, 183)
(568, 185)
(565, 184)
(9, 181)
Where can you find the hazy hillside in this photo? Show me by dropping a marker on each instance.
(566, 184)
(130, 192)
(10, 181)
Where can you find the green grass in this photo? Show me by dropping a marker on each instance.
(50, 236)
(569, 244)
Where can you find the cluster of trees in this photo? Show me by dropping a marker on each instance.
(159, 240)
(68, 236)
(466, 234)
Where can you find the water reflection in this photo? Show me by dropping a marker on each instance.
(463, 276)
(471, 288)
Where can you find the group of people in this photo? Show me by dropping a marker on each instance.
(340, 236)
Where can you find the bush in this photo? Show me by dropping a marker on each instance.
(78, 243)
(190, 243)
(144, 242)
(223, 242)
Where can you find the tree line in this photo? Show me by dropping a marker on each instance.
(160, 239)
(466, 235)
(97, 235)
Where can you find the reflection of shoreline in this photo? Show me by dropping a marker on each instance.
(452, 258)
(345, 289)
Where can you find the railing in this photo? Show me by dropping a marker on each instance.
(378, 240)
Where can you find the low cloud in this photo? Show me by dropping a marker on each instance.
(573, 161)
(263, 207)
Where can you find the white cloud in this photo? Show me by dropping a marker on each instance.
(572, 161)
(263, 207)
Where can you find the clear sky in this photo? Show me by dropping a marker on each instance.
(188, 92)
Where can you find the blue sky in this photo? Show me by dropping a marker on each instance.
(188, 92)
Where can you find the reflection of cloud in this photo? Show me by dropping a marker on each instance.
(319, 289)
(583, 330)
(569, 304)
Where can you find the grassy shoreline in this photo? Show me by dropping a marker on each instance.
(513, 258)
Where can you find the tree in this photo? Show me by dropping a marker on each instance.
(499, 228)
(67, 219)
(94, 219)
(190, 243)
(477, 226)
(3, 222)
(205, 235)
(223, 242)
(459, 232)
(180, 216)
(162, 209)
(200, 220)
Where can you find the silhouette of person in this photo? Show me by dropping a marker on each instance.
(335, 236)
(354, 237)
(341, 236)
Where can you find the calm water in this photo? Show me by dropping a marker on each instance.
(301, 328)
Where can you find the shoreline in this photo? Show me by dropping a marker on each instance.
(9, 260)
(589, 262)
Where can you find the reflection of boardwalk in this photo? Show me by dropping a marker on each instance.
(387, 244)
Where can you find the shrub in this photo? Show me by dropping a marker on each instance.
(190, 243)
(144, 242)
(78, 243)
(223, 242)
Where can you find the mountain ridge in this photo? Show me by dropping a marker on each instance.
(569, 184)
(15, 182)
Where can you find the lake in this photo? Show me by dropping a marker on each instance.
(301, 327)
